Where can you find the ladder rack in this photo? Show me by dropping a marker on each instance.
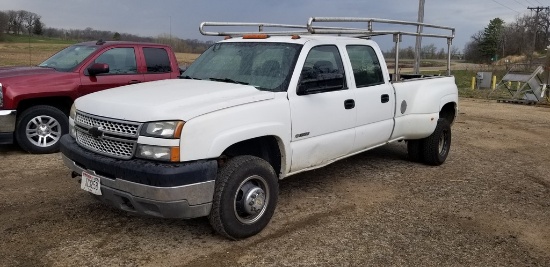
(368, 32)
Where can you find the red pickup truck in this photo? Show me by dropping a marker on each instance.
(35, 101)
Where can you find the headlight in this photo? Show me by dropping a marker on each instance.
(1, 96)
(159, 153)
(72, 113)
(163, 129)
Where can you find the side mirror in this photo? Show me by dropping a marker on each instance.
(98, 68)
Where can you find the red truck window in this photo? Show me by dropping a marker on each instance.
(120, 60)
(157, 60)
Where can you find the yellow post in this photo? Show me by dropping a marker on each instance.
(510, 85)
(494, 84)
(519, 85)
(473, 83)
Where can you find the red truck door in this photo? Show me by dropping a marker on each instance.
(123, 70)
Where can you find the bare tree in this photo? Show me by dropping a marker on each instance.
(3, 23)
(12, 21)
(29, 21)
(21, 16)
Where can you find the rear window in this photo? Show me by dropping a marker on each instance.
(157, 60)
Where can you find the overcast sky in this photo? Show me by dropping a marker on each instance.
(181, 18)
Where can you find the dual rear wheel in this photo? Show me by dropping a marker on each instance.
(434, 149)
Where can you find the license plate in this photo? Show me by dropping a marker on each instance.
(90, 183)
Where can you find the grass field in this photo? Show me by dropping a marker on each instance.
(25, 51)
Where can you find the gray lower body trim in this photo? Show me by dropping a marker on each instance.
(187, 201)
(7, 121)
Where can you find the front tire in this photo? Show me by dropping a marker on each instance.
(245, 197)
(436, 147)
(39, 129)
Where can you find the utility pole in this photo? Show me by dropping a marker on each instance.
(418, 47)
(537, 10)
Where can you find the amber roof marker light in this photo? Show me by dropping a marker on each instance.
(255, 36)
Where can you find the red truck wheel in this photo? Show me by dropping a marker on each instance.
(39, 129)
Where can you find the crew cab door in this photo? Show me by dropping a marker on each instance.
(123, 70)
(322, 110)
(374, 97)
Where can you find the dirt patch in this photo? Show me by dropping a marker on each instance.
(488, 205)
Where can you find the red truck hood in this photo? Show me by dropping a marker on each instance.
(8, 72)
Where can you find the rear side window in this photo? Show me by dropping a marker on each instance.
(365, 64)
(157, 60)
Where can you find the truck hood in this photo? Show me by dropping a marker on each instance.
(9, 72)
(168, 100)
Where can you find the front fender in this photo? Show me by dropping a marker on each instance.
(207, 136)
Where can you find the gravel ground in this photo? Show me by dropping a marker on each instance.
(488, 205)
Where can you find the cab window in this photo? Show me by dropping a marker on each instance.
(157, 60)
(365, 65)
(323, 71)
(120, 60)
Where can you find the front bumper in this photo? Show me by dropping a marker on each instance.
(7, 126)
(182, 190)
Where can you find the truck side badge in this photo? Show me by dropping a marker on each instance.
(302, 135)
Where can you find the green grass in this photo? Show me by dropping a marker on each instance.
(11, 38)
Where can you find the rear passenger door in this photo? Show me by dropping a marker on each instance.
(323, 113)
(157, 64)
(374, 98)
(123, 70)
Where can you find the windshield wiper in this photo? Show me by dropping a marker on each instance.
(227, 80)
(189, 77)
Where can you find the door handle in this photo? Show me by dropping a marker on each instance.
(133, 81)
(349, 104)
(385, 98)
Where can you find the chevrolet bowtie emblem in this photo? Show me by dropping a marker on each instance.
(96, 132)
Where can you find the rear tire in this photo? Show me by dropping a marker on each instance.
(39, 129)
(436, 147)
(245, 197)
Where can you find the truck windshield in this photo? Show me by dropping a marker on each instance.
(266, 66)
(68, 58)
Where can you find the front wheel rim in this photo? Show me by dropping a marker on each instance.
(251, 199)
(43, 131)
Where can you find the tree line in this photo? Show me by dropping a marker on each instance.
(426, 52)
(527, 35)
(22, 22)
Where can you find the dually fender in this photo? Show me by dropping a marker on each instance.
(427, 96)
(419, 103)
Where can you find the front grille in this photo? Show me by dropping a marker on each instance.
(123, 149)
(108, 125)
(117, 138)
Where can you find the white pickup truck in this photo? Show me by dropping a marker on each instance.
(251, 110)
